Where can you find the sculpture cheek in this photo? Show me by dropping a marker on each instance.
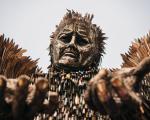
(85, 49)
(58, 48)
(86, 54)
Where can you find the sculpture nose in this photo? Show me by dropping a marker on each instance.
(73, 41)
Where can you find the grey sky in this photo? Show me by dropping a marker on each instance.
(30, 23)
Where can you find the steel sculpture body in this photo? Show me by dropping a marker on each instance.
(75, 88)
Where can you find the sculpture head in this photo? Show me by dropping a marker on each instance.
(76, 42)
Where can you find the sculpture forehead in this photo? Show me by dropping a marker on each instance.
(83, 30)
(74, 21)
(74, 27)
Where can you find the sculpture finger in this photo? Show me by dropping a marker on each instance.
(104, 95)
(19, 103)
(90, 95)
(129, 100)
(102, 74)
(2, 85)
(50, 104)
(125, 91)
(2, 92)
(39, 96)
(143, 68)
(97, 95)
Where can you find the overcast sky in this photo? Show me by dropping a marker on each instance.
(30, 23)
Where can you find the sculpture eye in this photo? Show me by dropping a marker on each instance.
(66, 38)
(82, 41)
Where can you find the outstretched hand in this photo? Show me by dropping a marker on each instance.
(117, 93)
(20, 99)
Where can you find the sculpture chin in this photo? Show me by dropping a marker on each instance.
(68, 61)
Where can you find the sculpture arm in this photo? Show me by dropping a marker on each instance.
(117, 93)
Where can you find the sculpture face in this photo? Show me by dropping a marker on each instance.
(75, 43)
(74, 48)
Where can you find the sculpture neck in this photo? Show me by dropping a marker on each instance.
(56, 68)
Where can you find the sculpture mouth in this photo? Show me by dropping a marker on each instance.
(70, 54)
